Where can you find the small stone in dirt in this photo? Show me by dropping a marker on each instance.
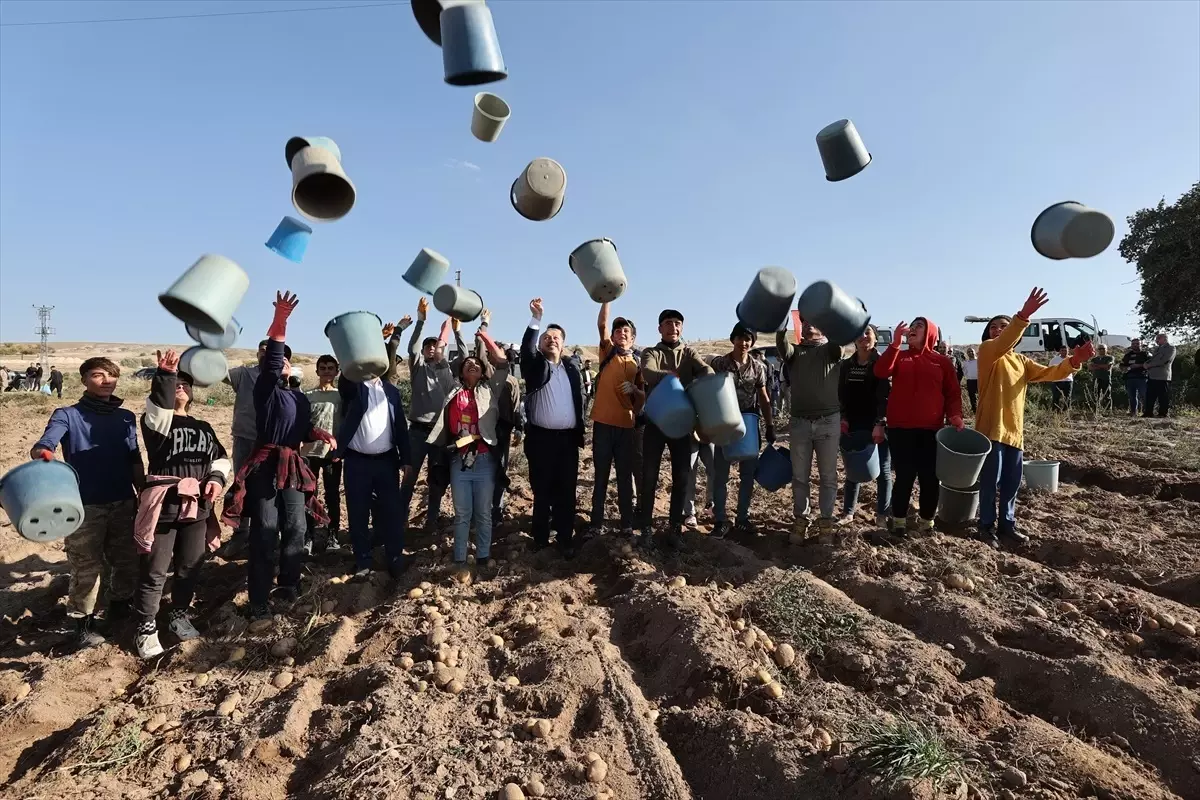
(183, 762)
(236, 655)
(535, 788)
(495, 641)
(857, 662)
(785, 655)
(283, 680)
(1184, 628)
(511, 792)
(156, 722)
(284, 647)
(415, 593)
(200, 681)
(678, 582)
(1014, 778)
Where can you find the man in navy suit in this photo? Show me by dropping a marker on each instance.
(375, 450)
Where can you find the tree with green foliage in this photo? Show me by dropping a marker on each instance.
(1164, 243)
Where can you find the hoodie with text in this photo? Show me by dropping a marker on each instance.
(925, 391)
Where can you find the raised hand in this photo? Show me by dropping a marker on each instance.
(898, 333)
(422, 308)
(455, 324)
(285, 303)
(168, 361)
(1037, 298)
(388, 330)
(535, 307)
(405, 321)
(1083, 354)
(485, 317)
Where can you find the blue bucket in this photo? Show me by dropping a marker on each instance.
(670, 408)
(774, 470)
(746, 447)
(427, 271)
(42, 499)
(290, 239)
(862, 463)
(470, 48)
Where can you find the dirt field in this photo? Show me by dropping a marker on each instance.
(735, 669)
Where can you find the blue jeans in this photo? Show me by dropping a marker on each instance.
(373, 486)
(720, 486)
(1001, 470)
(1136, 389)
(472, 492)
(856, 440)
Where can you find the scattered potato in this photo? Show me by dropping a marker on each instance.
(284, 647)
(512, 680)
(678, 582)
(774, 690)
(764, 677)
(1067, 607)
(1152, 624)
(405, 663)
(535, 788)
(22, 692)
(438, 636)
(511, 792)
(1165, 620)
(422, 686)
(1106, 605)
(821, 739)
(1184, 628)
(739, 624)
(236, 655)
(530, 621)
(597, 771)
(455, 686)
(226, 707)
(155, 722)
(1132, 639)
(283, 680)
(496, 641)
(955, 580)
(261, 625)
(200, 681)
(183, 762)
(749, 639)
(328, 606)
(785, 655)
(542, 728)
(652, 715)
(425, 586)
(415, 593)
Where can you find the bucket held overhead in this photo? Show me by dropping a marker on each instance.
(297, 143)
(488, 117)
(464, 305)
(1071, 230)
(207, 367)
(470, 48)
(539, 191)
(42, 499)
(839, 316)
(214, 342)
(358, 344)
(598, 268)
(207, 294)
(427, 271)
(290, 239)
(842, 150)
(768, 301)
(320, 189)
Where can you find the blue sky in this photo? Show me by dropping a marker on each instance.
(686, 129)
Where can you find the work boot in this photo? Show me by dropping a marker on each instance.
(825, 525)
(799, 531)
(85, 632)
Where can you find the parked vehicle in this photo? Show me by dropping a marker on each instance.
(1048, 334)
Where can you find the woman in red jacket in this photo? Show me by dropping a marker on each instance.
(925, 393)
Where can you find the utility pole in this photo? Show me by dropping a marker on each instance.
(44, 332)
(458, 277)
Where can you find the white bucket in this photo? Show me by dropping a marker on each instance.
(1041, 475)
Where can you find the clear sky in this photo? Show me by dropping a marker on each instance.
(686, 129)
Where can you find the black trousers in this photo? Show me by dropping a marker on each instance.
(553, 476)
(1061, 394)
(373, 488)
(612, 445)
(1158, 393)
(185, 543)
(914, 458)
(278, 521)
(654, 441)
(500, 456)
(973, 394)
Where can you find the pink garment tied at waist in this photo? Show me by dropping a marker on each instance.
(150, 506)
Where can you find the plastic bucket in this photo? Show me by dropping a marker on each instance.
(297, 143)
(290, 239)
(223, 342)
(489, 115)
(717, 414)
(774, 470)
(470, 48)
(357, 341)
(746, 447)
(207, 367)
(839, 316)
(206, 296)
(842, 150)
(1071, 230)
(861, 462)
(960, 456)
(958, 506)
(599, 269)
(1041, 475)
(42, 499)
(427, 271)
(670, 408)
(462, 304)
(320, 189)
(539, 191)
(768, 301)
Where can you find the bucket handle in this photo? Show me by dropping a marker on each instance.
(571, 258)
(512, 198)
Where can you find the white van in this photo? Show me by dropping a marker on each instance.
(1048, 334)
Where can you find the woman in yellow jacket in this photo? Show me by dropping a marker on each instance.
(1003, 378)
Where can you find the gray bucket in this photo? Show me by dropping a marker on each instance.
(1041, 475)
(958, 506)
(768, 302)
(358, 344)
(320, 189)
(297, 143)
(427, 271)
(206, 366)
(42, 500)
(539, 191)
(489, 115)
(599, 269)
(717, 414)
(212, 342)
(462, 304)
(1071, 230)
(960, 456)
(842, 150)
(839, 316)
(206, 296)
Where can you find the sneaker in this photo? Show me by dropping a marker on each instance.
(1014, 534)
(181, 625)
(689, 521)
(85, 632)
(148, 645)
(899, 527)
(363, 574)
(260, 612)
(286, 594)
(924, 525)
(826, 526)
(746, 528)
(987, 535)
(721, 530)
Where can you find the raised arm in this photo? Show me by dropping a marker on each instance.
(885, 365)
(602, 321)
(272, 364)
(784, 347)
(160, 405)
(392, 333)
(460, 345)
(414, 342)
(529, 351)
(1037, 373)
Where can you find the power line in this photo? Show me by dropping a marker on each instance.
(193, 16)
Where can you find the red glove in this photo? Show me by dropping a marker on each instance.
(878, 434)
(1037, 298)
(957, 422)
(46, 455)
(285, 303)
(845, 427)
(1083, 354)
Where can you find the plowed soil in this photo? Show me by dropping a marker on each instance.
(1063, 669)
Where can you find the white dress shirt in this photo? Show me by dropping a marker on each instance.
(1054, 362)
(374, 434)
(971, 370)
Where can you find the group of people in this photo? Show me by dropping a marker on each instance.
(31, 379)
(462, 418)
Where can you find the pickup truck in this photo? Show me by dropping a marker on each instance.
(1048, 334)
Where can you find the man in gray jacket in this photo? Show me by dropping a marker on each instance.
(812, 368)
(1158, 373)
